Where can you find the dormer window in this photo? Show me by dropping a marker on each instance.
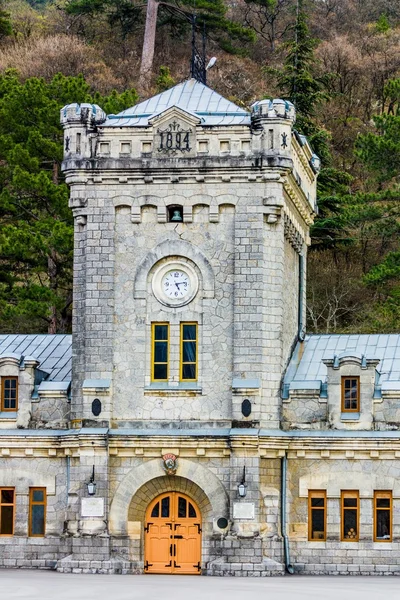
(9, 394)
(350, 394)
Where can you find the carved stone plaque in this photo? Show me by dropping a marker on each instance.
(175, 138)
(243, 510)
(92, 507)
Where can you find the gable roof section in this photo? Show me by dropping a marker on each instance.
(306, 364)
(52, 351)
(191, 96)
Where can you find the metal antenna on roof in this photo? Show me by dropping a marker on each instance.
(198, 62)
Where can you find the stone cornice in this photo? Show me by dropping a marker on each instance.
(168, 177)
(299, 199)
(293, 235)
(305, 160)
(257, 162)
(297, 445)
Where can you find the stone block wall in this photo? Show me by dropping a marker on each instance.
(334, 556)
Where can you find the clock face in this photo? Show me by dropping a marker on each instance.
(176, 284)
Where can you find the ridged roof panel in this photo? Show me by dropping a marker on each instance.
(193, 97)
(52, 351)
(306, 363)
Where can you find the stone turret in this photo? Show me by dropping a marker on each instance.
(80, 122)
(274, 120)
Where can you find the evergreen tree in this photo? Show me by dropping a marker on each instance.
(127, 15)
(298, 80)
(5, 22)
(36, 224)
(299, 83)
(380, 150)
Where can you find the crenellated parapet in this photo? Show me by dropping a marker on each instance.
(85, 113)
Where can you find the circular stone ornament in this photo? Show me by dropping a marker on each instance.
(222, 523)
(175, 283)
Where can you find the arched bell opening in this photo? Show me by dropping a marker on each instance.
(175, 213)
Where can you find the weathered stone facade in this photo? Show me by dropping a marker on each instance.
(189, 182)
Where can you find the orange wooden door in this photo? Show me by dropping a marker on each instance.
(173, 535)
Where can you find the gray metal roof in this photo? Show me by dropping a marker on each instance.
(306, 363)
(52, 351)
(191, 96)
(262, 433)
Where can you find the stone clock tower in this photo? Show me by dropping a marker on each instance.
(191, 228)
(204, 433)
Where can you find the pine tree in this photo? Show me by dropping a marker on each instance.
(298, 80)
(299, 83)
(127, 15)
(5, 22)
(36, 224)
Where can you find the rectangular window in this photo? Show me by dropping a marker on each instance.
(350, 516)
(188, 370)
(382, 516)
(78, 143)
(350, 394)
(160, 352)
(7, 510)
(37, 511)
(9, 393)
(317, 515)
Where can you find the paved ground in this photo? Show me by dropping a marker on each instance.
(45, 585)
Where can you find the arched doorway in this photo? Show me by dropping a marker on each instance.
(172, 542)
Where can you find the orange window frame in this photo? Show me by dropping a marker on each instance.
(3, 394)
(383, 495)
(7, 504)
(320, 494)
(349, 494)
(33, 503)
(350, 410)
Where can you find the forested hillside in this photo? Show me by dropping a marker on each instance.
(338, 60)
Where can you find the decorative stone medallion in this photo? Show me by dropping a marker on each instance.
(170, 464)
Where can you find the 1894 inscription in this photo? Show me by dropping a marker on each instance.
(174, 139)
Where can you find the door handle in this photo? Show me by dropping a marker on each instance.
(178, 537)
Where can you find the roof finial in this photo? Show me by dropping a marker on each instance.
(198, 62)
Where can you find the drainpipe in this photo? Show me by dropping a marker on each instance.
(300, 331)
(68, 474)
(289, 567)
(68, 478)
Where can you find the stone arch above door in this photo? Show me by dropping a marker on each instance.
(152, 474)
(153, 488)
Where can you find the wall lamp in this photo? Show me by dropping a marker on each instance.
(242, 487)
(91, 485)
